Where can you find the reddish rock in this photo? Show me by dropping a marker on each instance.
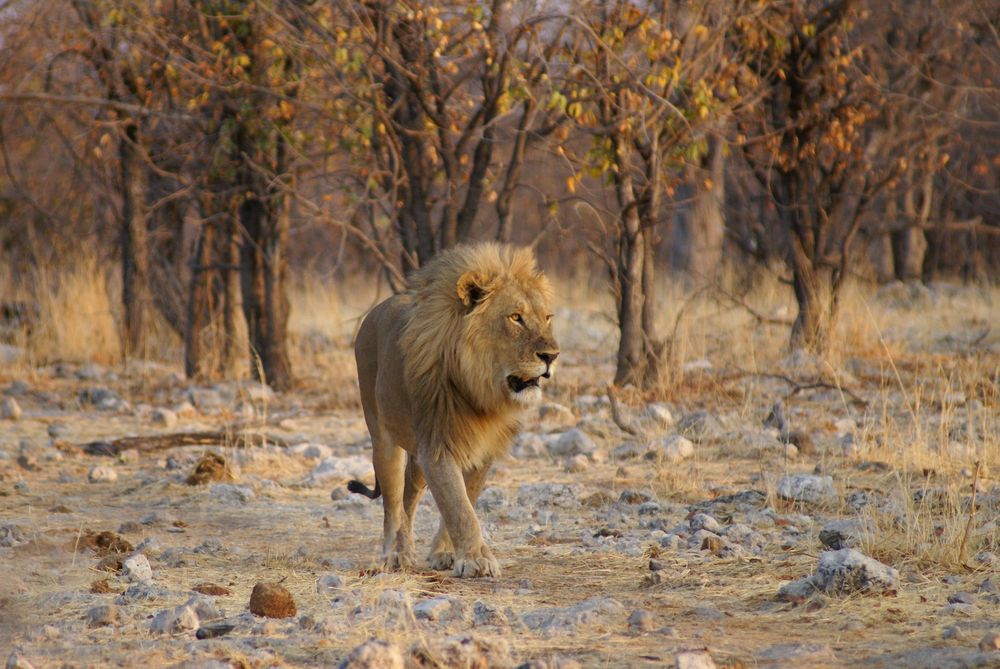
(272, 601)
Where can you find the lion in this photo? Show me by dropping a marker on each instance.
(445, 371)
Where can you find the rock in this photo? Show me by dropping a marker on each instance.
(335, 469)
(374, 654)
(842, 533)
(484, 613)
(442, 609)
(211, 589)
(329, 584)
(211, 467)
(807, 488)
(990, 641)
(694, 659)
(703, 521)
(660, 415)
(271, 601)
(460, 651)
(10, 409)
(11, 535)
(528, 445)
(794, 655)
(533, 495)
(843, 572)
(137, 592)
(553, 416)
(163, 417)
(102, 474)
(595, 610)
(491, 499)
(17, 388)
(634, 497)
(952, 632)
(231, 494)
(57, 430)
(105, 614)
(672, 448)
(641, 620)
(103, 399)
(397, 605)
(699, 425)
(15, 660)
(961, 598)
(178, 619)
(574, 464)
(136, 568)
(573, 442)
(312, 451)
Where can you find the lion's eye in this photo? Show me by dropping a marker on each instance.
(516, 318)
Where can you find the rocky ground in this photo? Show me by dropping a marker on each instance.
(755, 520)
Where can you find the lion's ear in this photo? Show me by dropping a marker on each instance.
(471, 289)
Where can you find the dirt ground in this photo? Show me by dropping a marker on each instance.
(903, 431)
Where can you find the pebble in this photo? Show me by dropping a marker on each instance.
(533, 495)
(699, 425)
(484, 613)
(694, 659)
(231, 494)
(57, 430)
(660, 415)
(329, 584)
(575, 464)
(673, 448)
(952, 632)
(841, 533)
(841, 573)
(703, 521)
(163, 417)
(641, 620)
(136, 568)
(807, 488)
(374, 654)
(10, 409)
(443, 609)
(105, 614)
(11, 535)
(171, 621)
(961, 598)
(102, 474)
(573, 442)
(567, 619)
(272, 601)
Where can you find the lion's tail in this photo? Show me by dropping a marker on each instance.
(362, 489)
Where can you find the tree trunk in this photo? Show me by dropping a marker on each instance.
(134, 247)
(233, 344)
(263, 268)
(199, 306)
(631, 360)
(909, 245)
(815, 292)
(706, 232)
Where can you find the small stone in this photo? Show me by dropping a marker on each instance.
(105, 614)
(178, 619)
(842, 533)
(102, 474)
(791, 451)
(440, 609)
(100, 586)
(231, 494)
(807, 488)
(329, 584)
(10, 409)
(576, 463)
(11, 535)
(163, 417)
(961, 598)
(694, 659)
(484, 613)
(634, 497)
(136, 568)
(57, 430)
(272, 601)
(952, 632)
(211, 589)
(699, 425)
(660, 415)
(567, 619)
(573, 442)
(17, 661)
(534, 495)
(374, 654)
(672, 448)
(641, 620)
(990, 642)
(703, 521)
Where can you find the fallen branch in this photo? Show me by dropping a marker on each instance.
(798, 386)
(616, 414)
(158, 442)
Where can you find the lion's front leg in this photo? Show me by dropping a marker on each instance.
(460, 526)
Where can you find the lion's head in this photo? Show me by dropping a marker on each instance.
(481, 324)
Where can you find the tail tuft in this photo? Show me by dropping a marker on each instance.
(361, 489)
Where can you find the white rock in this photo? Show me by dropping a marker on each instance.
(595, 610)
(807, 488)
(102, 474)
(374, 654)
(136, 568)
(443, 609)
(699, 365)
(573, 442)
(703, 521)
(574, 464)
(843, 572)
(660, 414)
(231, 493)
(694, 659)
(674, 448)
(10, 409)
(179, 619)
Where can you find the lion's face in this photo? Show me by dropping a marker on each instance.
(515, 320)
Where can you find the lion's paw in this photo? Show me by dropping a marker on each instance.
(475, 567)
(441, 560)
(397, 560)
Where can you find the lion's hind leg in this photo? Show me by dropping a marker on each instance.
(397, 535)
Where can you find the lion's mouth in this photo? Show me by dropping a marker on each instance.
(517, 384)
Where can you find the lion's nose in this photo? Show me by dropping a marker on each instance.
(548, 357)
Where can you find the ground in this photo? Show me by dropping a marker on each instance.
(605, 560)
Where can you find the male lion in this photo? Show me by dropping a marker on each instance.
(445, 369)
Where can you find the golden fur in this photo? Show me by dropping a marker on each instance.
(445, 370)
